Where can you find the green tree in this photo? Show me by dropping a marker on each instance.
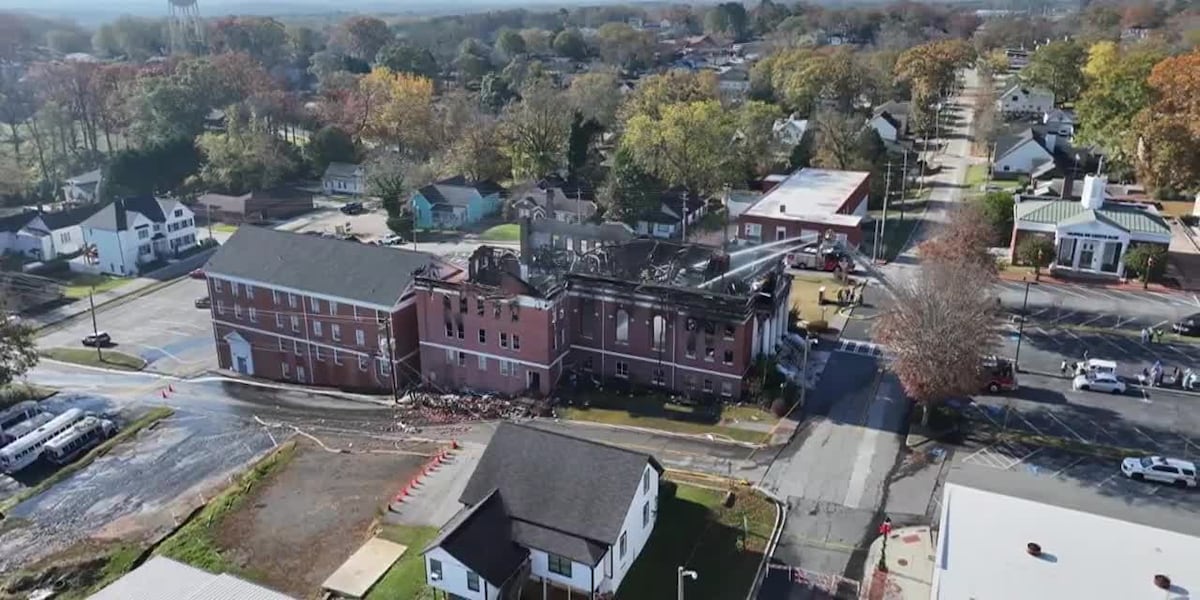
(535, 130)
(386, 179)
(629, 190)
(330, 144)
(362, 37)
(1058, 67)
(579, 143)
(728, 19)
(596, 96)
(570, 43)
(802, 153)
(403, 57)
(473, 60)
(623, 46)
(243, 160)
(1168, 131)
(1036, 251)
(997, 209)
(1146, 261)
(157, 168)
(674, 86)
(18, 351)
(510, 44)
(756, 135)
(1116, 91)
(688, 145)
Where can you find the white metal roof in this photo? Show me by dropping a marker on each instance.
(982, 555)
(161, 578)
(811, 195)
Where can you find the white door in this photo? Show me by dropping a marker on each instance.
(300, 374)
(240, 355)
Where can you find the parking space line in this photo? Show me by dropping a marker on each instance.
(1116, 345)
(1062, 316)
(1060, 471)
(1196, 299)
(1099, 428)
(1067, 427)
(984, 457)
(1106, 480)
(1187, 441)
(1153, 442)
(1025, 458)
(1093, 320)
(1031, 425)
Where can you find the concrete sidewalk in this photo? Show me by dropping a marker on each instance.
(910, 562)
(433, 499)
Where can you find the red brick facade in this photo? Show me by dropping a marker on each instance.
(467, 331)
(312, 340)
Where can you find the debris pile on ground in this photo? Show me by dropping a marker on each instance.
(431, 408)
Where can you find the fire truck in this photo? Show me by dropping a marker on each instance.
(820, 258)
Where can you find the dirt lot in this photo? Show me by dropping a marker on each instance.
(298, 527)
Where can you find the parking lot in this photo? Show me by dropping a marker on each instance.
(163, 327)
(1045, 346)
(1095, 305)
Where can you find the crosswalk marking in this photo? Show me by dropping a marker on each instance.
(860, 347)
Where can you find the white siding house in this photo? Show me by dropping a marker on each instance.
(1020, 99)
(344, 178)
(130, 232)
(1021, 153)
(548, 509)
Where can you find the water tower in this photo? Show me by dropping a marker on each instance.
(184, 27)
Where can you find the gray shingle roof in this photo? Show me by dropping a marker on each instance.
(560, 483)
(481, 537)
(161, 578)
(341, 170)
(371, 274)
(114, 215)
(1066, 212)
(69, 217)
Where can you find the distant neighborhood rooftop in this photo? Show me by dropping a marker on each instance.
(812, 195)
(982, 551)
(376, 275)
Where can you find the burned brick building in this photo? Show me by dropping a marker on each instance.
(682, 317)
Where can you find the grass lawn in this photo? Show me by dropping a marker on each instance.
(508, 232)
(976, 176)
(87, 356)
(224, 227)
(803, 297)
(79, 284)
(1176, 208)
(695, 531)
(150, 418)
(613, 416)
(194, 543)
(406, 578)
(19, 392)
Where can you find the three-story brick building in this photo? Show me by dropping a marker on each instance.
(305, 309)
(658, 314)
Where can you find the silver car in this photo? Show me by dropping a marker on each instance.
(1100, 382)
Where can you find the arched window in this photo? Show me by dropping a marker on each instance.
(622, 326)
(658, 332)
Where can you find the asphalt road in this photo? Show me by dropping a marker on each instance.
(163, 327)
(1043, 348)
(1095, 305)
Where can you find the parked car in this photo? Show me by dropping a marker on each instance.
(352, 208)
(197, 274)
(1171, 471)
(204, 302)
(97, 339)
(1099, 382)
(1189, 325)
(391, 240)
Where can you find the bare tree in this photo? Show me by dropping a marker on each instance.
(944, 324)
(945, 320)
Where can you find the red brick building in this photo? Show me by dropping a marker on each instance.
(810, 202)
(654, 313)
(305, 309)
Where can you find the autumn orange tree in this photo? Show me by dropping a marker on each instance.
(944, 321)
(399, 109)
(931, 70)
(1168, 130)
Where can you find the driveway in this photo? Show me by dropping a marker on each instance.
(163, 327)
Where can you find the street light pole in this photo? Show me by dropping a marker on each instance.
(1021, 326)
(681, 573)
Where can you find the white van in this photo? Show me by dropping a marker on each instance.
(1094, 366)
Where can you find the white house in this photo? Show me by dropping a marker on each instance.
(1022, 153)
(890, 121)
(733, 82)
(1020, 99)
(44, 236)
(130, 232)
(667, 221)
(789, 131)
(1060, 121)
(1091, 235)
(344, 178)
(568, 201)
(544, 507)
(83, 188)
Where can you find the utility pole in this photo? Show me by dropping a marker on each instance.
(904, 183)
(95, 329)
(391, 355)
(887, 191)
(725, 221)
(683, 212)
(208, 217)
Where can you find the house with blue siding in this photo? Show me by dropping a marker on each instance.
(455, 202)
